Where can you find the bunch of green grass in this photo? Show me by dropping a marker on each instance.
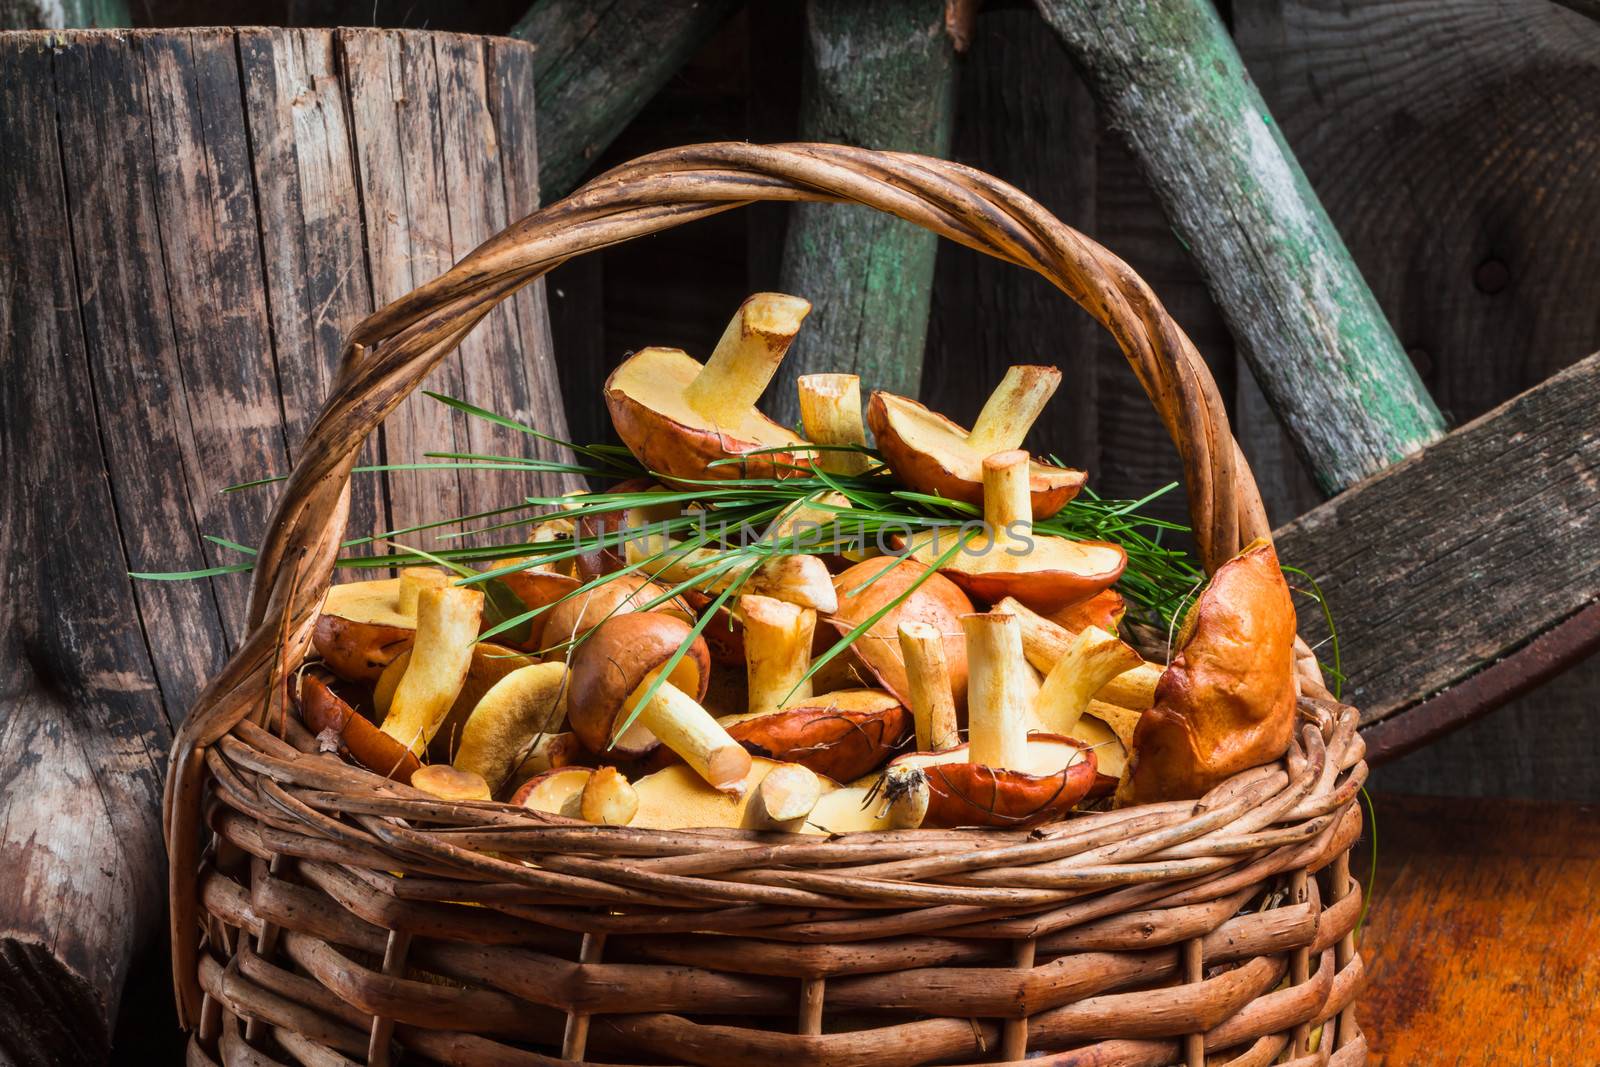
(729, 516)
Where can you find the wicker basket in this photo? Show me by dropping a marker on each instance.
(337, 917)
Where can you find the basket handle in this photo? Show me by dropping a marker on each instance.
(391, 351)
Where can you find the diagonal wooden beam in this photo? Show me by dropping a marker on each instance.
(1168, 78)
(1469, 572)
(596, 64)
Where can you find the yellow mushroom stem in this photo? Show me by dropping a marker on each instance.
(1012, 408)
(933, 705)
(777, 650)
(1007, 505)
(608, 798)
(999, 696)
(906, 789)
(788, 793)
(413, 580)
(681, 724)
(1045, 642)
(747, 356)
(1092, 659)
(830, 412)
(447, 628)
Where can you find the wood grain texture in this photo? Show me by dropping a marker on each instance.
(1456, 556)
(184, 252)
(876, 76)
(597, 64)
(1452, 144)
(1480, 935)
(1169, 80)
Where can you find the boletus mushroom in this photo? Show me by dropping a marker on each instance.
(570, 619)
(1044, 643)
(842, 735)
(933, 455)
(525, 704)
(1003, 776)
(362, 627)
(444, 782)
(614, 668)
(600, 795)
(339, 727)
(1011, 558)
(868, 587)
(490, 663)
(1227, 701)
(679, 417)
(448, 618)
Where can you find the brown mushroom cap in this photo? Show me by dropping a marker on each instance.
(361, 629)
(1057, 772)
(930, 453)
(324, 710)
(624, 594)
(841, 735)
(537, 586)
(612, 663)
(1226, 703)
(938, 602)
(1055, 572)
(1105, 610)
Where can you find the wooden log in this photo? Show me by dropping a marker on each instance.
(1167, 76)
(1458, 556)
(879, 75)
(172, 331)
(596, 65)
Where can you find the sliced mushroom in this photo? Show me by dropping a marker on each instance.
(1012, 559)
(615, 667)
(870, 586)
(830, 412)
(777, 650)
(361, 629)
(675, 798)
(679, 417)
(842, 735)
(787, 795)
(933, 704)
(447, 629)
(931, 454)
(450, 783)
(1093, 659)
(520, 707)
(1045, 642)
(1227, 702)
(329, 716)
(1004, 776)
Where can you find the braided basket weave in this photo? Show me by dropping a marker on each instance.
(338, 917)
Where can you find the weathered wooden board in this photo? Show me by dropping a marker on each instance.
(1454, 144)
(1479, 941)
(181, 249)
(1168, 78)
(597, 64)
(881, 76)
(1454, 557)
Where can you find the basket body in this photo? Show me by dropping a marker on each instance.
(337, 917)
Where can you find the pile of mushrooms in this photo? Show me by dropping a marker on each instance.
(651, 687)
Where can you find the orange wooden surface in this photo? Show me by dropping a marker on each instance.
(1483, 939)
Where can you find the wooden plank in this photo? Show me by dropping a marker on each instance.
(83, 729)
(1457, 556)
(1038, 134)
(1479, 945)
(880, 76)
(597, 65)
(1168, 78)
(311, 241)
(393, 88)
(229, 422)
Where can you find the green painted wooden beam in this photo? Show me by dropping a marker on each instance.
(63, 14)
(596, 64)
(877, 75)
(1167, 77)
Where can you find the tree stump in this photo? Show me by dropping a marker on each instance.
(194, 219)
